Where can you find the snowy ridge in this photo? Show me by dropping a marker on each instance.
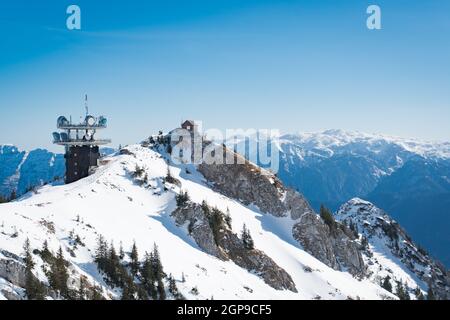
(330, 141)
(112, 204)
(390, 252)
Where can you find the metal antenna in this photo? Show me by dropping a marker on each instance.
(86, 105)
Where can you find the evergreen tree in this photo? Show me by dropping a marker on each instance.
(386, 284)
(148, 276)
(247, 238)
(327, 217)
(34, 289)
(59, 275)
(128, 290)
(134, 264)
(364, 242)
(228, 218)
(96, 293)
(82, 289)
(121, 252)
(402, 291)
(173, 289)
(216, 222)
(182, 198)
(101, 253)
(113, 267)
(156, 264)
(161, 290)
(418, 293)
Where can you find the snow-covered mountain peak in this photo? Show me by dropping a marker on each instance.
(390, 253)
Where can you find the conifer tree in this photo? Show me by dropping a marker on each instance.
(387, 284)
(418, 293)
(34, 289)
(82, 288)
(173, 289)
(402, 291)
(161, 290)
(101, 253)
(121, 252)
(134, 264)
(228, 218)
(156, 264)
(128, 290)
(148, 276)
(247, 238)
(59, 275)
(96, 293)
(327, 217)
(112, 265)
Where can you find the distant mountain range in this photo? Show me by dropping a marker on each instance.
(21, 171)
(143, 227)
(408, 178)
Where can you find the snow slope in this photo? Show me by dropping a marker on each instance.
(111, 204)
(390, 251)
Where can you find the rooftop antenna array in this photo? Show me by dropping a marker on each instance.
(82, 148)
(86, 104)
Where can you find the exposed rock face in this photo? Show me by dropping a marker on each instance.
(13, 271)
(333, 247)
(199, 228)
(226, 245)
(252, 185)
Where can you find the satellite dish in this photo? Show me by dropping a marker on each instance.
(90, 120)
(64, 137)
(56, 137)
(62, 122)
(102, 121)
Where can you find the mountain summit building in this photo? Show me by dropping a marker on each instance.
(82, 148)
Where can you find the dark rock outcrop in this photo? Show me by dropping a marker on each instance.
(331, 246)
(251, 184)
(222, 243)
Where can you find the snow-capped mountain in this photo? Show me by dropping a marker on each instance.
(389, 252)
(130, 198)
(408, 178)
(22, 170)
(195, 216)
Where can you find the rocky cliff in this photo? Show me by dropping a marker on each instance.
(212, 234)
(251, 184)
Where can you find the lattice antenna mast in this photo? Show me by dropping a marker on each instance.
(86, 104)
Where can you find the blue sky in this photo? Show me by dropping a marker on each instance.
(291, 65)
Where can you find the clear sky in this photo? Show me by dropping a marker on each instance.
(291, 65)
